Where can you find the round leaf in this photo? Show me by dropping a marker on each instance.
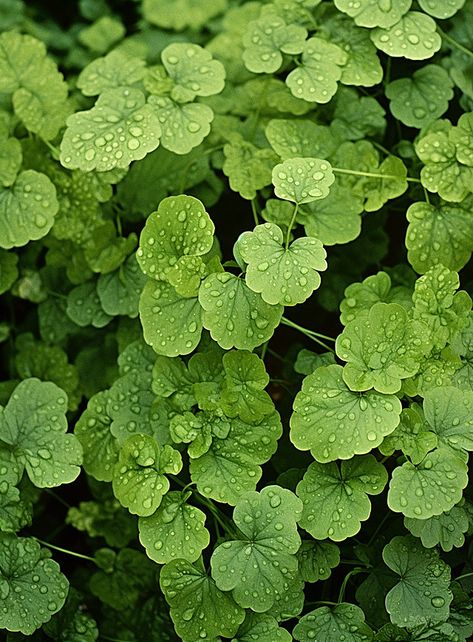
(446, 529)
(374, 13)
(193, 70)
(441, 8)
(414, 37)
(341, 622)
(302, 180)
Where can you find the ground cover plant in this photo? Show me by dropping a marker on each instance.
(236, 336)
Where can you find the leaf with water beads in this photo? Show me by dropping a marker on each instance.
(441, 8)
(263, 628)
(414, 37)
(199, 609)
(315, 80)
(336, 499)
(449, 413)
(300, 138)
(236, 316)
(119, 291)
(317, 559)
(447, 529)
(120, 128)
(431, 487)
(116, 69)
(33, 424)
(252, 567)
(175, 531)
(422, 595)
(32, 586)
(302, 180)
(139, 481)
(335, 423)
(248, 167)
(84, 308)
(180, 14)
(374, 13)
(331, 624)
(27, 209)
(412, 436)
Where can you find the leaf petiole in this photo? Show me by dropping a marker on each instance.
(353, 172)
(65, 550)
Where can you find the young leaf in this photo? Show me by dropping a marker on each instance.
(446, 529)
(412, 436)
(413, 37)
(336, 500)
(449, 413)
(179, 14)
(175, 531)
(422, 595)
(317, 559)
(335, 423)
(116, 69)
(236, 316)
(302, 180)
(32, 586)
(441, 8)
(247, 167)
(282, 275)
(83, 306)
(268, 523)
(119, 291)
(199, 609)
(263, 628)
(374, 13)
(300, 138)
(343, 621)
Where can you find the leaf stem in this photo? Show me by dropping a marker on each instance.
(463, 577)
(255, 212)
(310, 334)
(339, 170)
(289, 229)
(454, 43)
(66, 551)
(354, 571)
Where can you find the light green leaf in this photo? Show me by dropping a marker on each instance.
(248, 168)
(199, 609)
(139, 481)
(119, 291)
(282, 275)
(232, 464)
(412, 436)
(422, 595)
(186, 275)
(414, 37)
(27, 209)
(335, 423)
(11, 157)
(462, 137)
(198, 430)
(99, 445)
(449, 413)
(317, 559)
(120, 128)
(266, 39)
(33, 426)
(116, 69)
(300, 138)
(193, 71)
(302, 180)
(175, 531)
(336, 499)
(335, 218)
(315, 80)
(268, 524)
(102, 34)
(356, 117)
(183, 126)
(374, 13)
(422, 98)
(431, 487)
(446, 529)
(343, 621)
(172, 325)
(236, 316)
(180, 227)
(441, 8)
(263, 628)
(32, 586)
(382, 346)
(379, 191)
(439, 234)
(84, 308)
(179, 14)
(38, 90)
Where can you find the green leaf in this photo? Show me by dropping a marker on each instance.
(199, 609)
(413, 37)
(422, 595)
(462, 137)
(175, 531)
(302, 180)
(266, 39)
(335, 423)
(412, 436)
(232, 464)
(180, 227)
(268, 525)
(449, 413)
(374, 13)
(422, 98)
(441, 8)
(32, 586)
(282, 275)
(343, 621)
(84, 308)
(317, 559)
(379, 190)
(120, 128)
(172, 324)
(119, 291)
(27, 209)
(300, 138)
(100, 36)
(8, 270)
(247, 167)
(446, 529)
(105, 519)
(115, 70)
(139, 481)
(236, 316)
(179, 14)
(193, 71)
(263, 628)
(336, 499)
(11, 158)
(356, 117)
(431, 487)
(38, 90)
(315, 80)
(439, 234)
(32, 427)
(382, 346)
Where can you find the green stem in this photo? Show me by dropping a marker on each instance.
(462, 577)
(66, 551)
(305, 332)
(355, 571)
(289, 229)
(57, 497)
(255, 212)
(288, 322)
(454, 43)
(426, 196)
(378, 528)
(264, 349)
(323, 602)
(353, 172)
